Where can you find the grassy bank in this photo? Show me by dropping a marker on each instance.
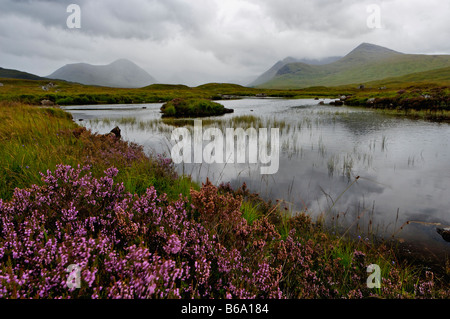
(65, 93)
(35, 139)
(429, 103)
(137, 230)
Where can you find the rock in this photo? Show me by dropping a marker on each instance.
(1, 84)
(116, 131)
(321, 103)
(338, 103)
(445, 233)
(47, 103)
(371, 101)
(343, 98)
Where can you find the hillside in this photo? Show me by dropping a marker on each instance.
(272, 72)
(120, 74)
(365, 63)
(438, 77)
(15, 74)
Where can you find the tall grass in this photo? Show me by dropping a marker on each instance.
(35, 139)
(32, 141)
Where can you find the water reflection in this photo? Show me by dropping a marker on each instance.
(402, 165)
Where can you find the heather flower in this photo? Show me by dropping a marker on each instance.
(145, 246)
(173, 245)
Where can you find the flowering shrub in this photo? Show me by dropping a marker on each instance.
(145, 246)
(125, 245)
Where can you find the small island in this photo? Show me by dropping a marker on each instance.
(180, 107)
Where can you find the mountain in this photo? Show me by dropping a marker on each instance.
(270, 74)
(367, 62)
(15, 74)
(121, 73)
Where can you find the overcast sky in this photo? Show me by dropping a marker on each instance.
(199, 41)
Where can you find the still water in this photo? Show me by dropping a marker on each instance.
(374, 172)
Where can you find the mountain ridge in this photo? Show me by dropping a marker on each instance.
(269, 74)
(367, 62)
(16, 74)
(121, 73)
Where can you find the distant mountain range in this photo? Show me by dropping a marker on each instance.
(367, 62)
(121, 74)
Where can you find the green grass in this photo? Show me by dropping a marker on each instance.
(250, 211)
(193, 108)
(66, 93)
(34, 139)
(437, 77)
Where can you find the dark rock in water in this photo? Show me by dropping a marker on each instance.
(116, 131)
(445, 233)
(321, 103)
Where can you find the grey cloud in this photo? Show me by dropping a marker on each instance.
(155, 20)
(210, 38)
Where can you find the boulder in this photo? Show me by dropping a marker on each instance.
(47, 103)
(445, 233)
(116, 131)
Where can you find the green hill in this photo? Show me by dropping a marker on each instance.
(366, 63)
(15, 74)
(440, 77)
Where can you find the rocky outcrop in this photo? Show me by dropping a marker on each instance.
(444, 232)
(116, 132)
(337, 103)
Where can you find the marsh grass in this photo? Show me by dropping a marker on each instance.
(35, 139)
(250, 211)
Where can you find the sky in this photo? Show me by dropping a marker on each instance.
(200, 41)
